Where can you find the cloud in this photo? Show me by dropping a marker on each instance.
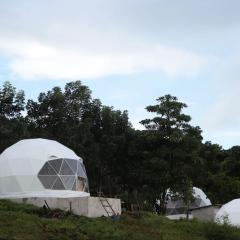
(224, 113)
(34, 60)
(221, 122)
(77, 39)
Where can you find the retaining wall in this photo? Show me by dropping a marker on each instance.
(84, 206)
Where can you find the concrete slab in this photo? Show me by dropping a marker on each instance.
(83, 206)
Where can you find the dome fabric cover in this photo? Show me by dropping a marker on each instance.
(25, 166)
(229, 213)
(199, 194)
(178, 206)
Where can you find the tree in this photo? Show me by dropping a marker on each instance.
(170, 121)
(95, 132)
(224, 181)
(12, 125)
(11, 101)
(172, 149)
(46, 118)
(138, 166)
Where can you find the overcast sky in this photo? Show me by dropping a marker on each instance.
(130, 52)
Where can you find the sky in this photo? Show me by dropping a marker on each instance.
(129, 53)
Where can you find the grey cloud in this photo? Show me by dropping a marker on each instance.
(175, 22)
(54, 38)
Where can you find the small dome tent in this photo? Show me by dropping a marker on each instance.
(39, 168)
(229, 213)
(178, 206)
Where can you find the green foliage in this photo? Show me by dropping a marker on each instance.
(223, 232)
(169, 119)
(11, 101)
(137, 166)
(173, 147)
(12, 124)
(218, 172)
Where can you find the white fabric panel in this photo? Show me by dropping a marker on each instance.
(229, 212)
(5, 169)
(10, 184)
(198, 193)
(29, 183)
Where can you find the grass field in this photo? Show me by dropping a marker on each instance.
(20, 221)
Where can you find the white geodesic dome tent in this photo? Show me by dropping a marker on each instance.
(178, 206)
(40, 168)
(229, 213)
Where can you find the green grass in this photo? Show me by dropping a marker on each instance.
(20, 221)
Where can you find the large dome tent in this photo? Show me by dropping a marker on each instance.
(177, 206)
(229, 213)
(41, 167)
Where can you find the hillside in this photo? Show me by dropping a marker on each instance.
(19, 221)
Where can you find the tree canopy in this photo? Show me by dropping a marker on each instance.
(138, 166)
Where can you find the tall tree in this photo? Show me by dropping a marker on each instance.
(11, 101)
(172, 152)
(12, 125)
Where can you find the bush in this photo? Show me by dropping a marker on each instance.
(215, 231)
